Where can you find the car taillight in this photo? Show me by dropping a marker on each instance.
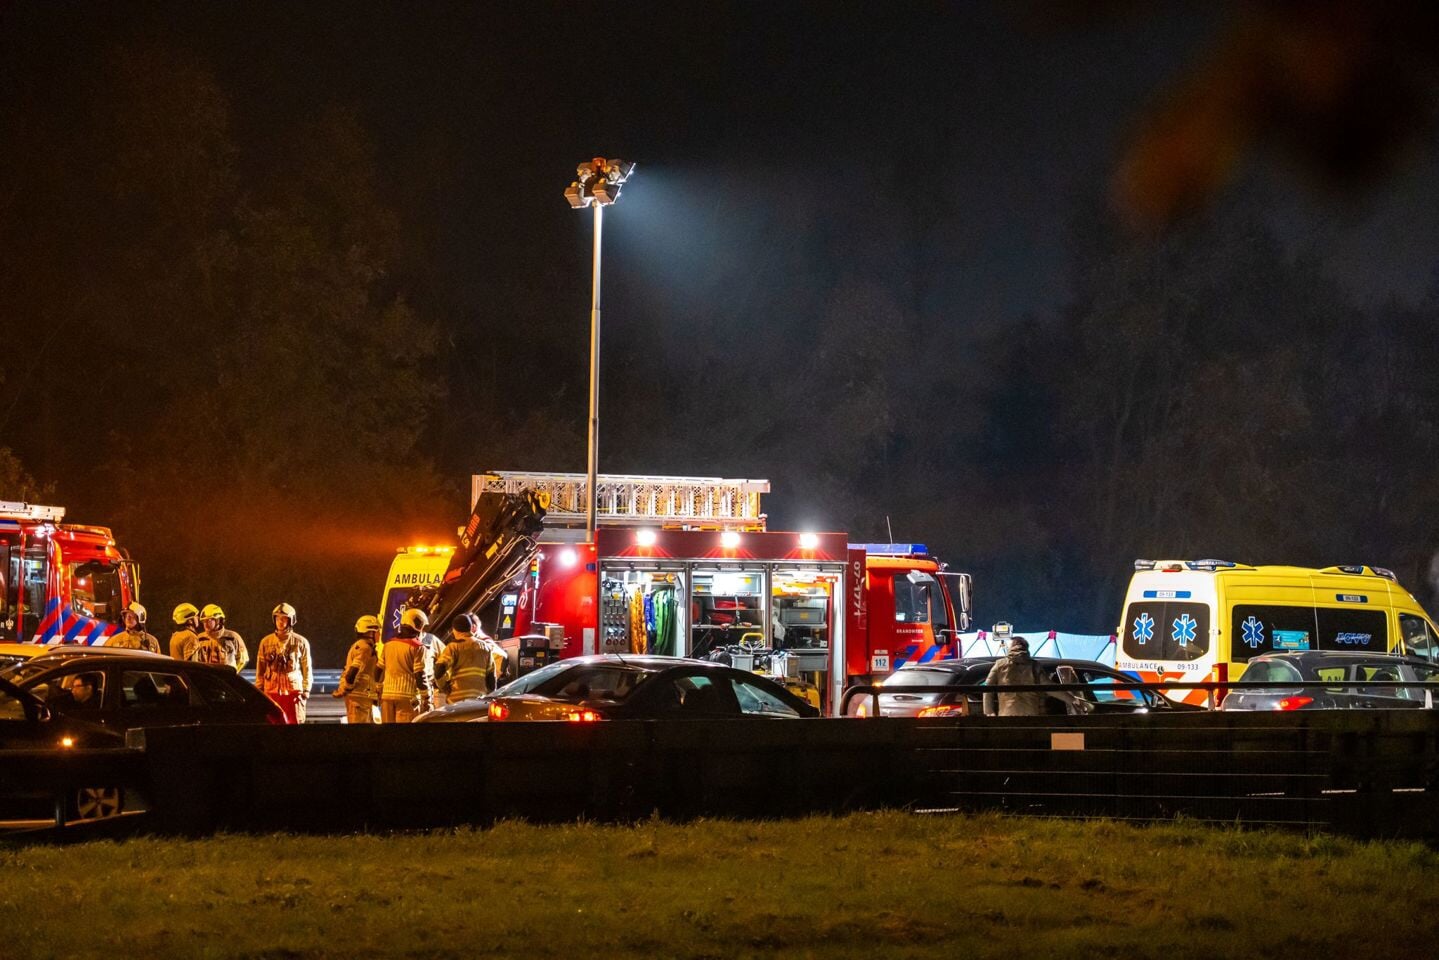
(945, 710)
(583, 716)
(1293, 703)
(498, 711)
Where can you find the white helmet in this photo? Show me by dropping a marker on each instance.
(284, 610)
(138, 611)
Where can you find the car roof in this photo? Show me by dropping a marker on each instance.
(967, 662)
(1341, 656)
(64, 654)
(644, 661)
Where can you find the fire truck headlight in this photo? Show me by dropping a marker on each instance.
(645, 538)
(568, 557)
(729, 539)
(808, 541)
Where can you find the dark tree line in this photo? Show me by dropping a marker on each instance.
(235, 348)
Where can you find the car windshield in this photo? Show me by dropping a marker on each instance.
(530, 681)
(22, 673)
(921, 678)
(609, 681)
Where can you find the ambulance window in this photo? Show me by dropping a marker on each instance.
(1256, 629)
(1353, 629)
(1419, 639)
(1164, 630)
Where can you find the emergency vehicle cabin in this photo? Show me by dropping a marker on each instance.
(60, 582)
(1195, 620)
(684, 566)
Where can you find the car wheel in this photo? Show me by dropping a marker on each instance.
(97, 803)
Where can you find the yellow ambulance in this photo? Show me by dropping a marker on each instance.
(413, 569)
(1194, 620)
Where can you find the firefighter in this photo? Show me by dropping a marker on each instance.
(433, 646)
(406, 688)
(187, 631)
(134, 637)
(471, 664)
(282, 665)
(217, 644)
(360, 680)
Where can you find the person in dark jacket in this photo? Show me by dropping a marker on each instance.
(1017, 668)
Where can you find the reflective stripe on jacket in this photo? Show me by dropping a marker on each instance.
(404, 660)
(283, 666)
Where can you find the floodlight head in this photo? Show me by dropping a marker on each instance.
(599, 182)
(576, 196)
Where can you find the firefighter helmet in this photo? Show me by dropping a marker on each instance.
(212, 611)
(466, 623)
(284, 610)
(369, 623)
(184, 613)
(139, 612)
(416, 619)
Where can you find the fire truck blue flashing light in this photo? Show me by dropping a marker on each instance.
(891, 549)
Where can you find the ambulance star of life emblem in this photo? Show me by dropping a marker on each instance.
(1144, 628)
(1184, 630)
(1253, 633)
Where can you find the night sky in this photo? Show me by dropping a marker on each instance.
(824, 190)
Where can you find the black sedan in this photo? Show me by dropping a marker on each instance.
(617, 687)
(1103, 692)
(1338, 671)
(28, 724)
(126, 690)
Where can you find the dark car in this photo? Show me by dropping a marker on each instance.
(1103, 693)
(124, 690)
(28, 724)
(1342, 670)
(616, 687)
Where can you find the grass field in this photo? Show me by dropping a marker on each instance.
(869, 885)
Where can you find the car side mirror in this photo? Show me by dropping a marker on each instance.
(43, 713)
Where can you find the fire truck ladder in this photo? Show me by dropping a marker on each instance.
(30, 511)
(686, 503)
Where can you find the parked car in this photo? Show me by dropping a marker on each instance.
(26, 723)
(1104, 692)
(611, 687)
(121, 690)
(1340, 669)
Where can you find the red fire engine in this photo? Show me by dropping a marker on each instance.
(60, 582)
(685, 566)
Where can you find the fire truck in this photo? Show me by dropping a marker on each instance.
(60, 582)
(684, 566)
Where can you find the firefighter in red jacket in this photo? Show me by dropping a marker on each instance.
(406, 689)
(282, 665)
